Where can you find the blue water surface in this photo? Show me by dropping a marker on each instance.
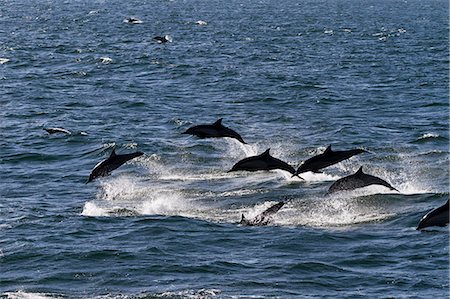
(292, 76)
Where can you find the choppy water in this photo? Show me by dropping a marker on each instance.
(293, 76)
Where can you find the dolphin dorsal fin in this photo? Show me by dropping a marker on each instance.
(113, 153)
(266, 153)
(359, 171)
(218, 122)
(328, 150)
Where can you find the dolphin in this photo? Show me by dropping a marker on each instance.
(358, 180)
(327, 158)
(214, 130)
(57, 130)
(114, 161)
(132, 20)
(437, 217)
(163, 39)
(264, 218)
(263, 161)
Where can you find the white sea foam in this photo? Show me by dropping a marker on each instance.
(28, 295)
(331, 212)
(167, 202)
(91, 209)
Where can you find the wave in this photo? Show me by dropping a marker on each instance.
(188, 294)
(30, 295)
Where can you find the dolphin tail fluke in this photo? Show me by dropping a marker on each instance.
(395, 189)
(295, 174)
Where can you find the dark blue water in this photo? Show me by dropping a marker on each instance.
(292, 76)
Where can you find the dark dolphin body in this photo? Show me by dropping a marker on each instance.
(133, 20)
(358, 180)
(215, 130)
(161, 39)
(437, 217)
(262, 162)
(114, 161)
(327, 158)
(264, 218)
(57, 130)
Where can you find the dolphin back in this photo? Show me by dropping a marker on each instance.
(437, 217)
(357, 180)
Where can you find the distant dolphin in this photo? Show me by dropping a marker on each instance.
(263, 161)
(215, 130)
(437, 217)
(133, 20)
(114, 161)
(358, 180)
(163, 39)
(57, 130)
(264, 218)
(327, 158)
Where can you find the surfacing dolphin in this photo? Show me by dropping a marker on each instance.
(57, 130)
(263, 161)
(264, 218)
(357, 180)
(437, 217)
(327, 158)
(105, 167)
(215, 130)
(162, 39)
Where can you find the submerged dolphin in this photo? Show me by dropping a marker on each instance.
(327, 158)
(437, 217)
(263, 161)
(264, 218)
(358, 180)
(214, 130)
(114, 161)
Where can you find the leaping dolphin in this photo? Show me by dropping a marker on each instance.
(437, 217)
(264, 218)
(263, 161)
(105, 167)
(327, 158)
(358, 180)
(215, 130)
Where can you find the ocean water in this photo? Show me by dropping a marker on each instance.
(292, 76)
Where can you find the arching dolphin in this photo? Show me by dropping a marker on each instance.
(114, 161)
(358, 180)
(437, 217)
(263, 161)
(57, 130)
(214, 130)
(264, 218)
(327, 158)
